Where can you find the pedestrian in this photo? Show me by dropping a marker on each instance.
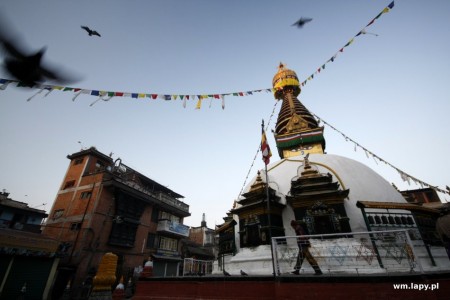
(303, 249)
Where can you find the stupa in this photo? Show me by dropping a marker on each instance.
(357, 221)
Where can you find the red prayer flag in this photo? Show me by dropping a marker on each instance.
(265, 149)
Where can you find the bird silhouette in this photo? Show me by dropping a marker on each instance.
(226, 273)
(25, 67)
(90, 31)
(302, 21)
(243, 273)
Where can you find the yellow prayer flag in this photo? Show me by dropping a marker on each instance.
(199, 103)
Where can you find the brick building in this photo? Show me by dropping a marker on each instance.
(202, 235)
(22, 247)
(18, 215)
(105, 206)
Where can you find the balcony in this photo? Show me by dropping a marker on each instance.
(158, 195)
(170, 227)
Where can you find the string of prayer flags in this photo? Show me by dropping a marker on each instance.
(169, 97)
(403, 175)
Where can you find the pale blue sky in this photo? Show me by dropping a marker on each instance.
(390, 92)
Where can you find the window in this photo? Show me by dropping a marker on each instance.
(123, 234)
(58, 213)
(208, 238)
(155, 214)
(69, 184)
(166, 243)
(99, 165)
(78, 161)
(168, 216)
(85, 195)
(151, 238)
(75, 226)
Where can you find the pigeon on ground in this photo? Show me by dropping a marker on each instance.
(226, 273)
(90, 31)
(302, 21)
(243, 273)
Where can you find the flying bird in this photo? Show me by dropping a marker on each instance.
(226, 273)
(26, 67)
(243, 273)
(90, 31)
(302, 21)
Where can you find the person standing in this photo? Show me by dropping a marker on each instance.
(303, 249)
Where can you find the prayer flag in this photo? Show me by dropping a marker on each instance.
(265, 149)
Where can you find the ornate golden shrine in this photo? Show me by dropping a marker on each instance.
(297, 131)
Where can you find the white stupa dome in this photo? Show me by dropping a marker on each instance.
(364, 183)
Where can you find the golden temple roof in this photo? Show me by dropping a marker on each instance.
(295, 126)
(293, 115)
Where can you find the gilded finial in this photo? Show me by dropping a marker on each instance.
(258, 178)
(307, 165)
(285, 78)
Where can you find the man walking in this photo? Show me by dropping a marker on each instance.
(303, 249)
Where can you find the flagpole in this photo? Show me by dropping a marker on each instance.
(268, 207)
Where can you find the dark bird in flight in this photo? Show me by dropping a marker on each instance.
(226, 273)
(302, 21)
(90, 31)
(24, 66)
(243, 273)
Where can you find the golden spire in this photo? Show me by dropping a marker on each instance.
(297, 131)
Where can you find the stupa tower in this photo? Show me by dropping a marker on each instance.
(297, 131)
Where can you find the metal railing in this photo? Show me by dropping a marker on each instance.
(157, 195)
(197, 267)
(348, 253)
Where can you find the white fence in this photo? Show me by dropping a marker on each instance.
(351, 253)
(197, 267)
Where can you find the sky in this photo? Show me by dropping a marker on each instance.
(388, 90)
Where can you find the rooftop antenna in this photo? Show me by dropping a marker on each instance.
(81, 145)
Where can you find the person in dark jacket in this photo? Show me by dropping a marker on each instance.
(303, 249)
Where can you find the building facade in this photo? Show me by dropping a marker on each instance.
(22, 247)
(199, 250)
(18, 216)
(202, 235)
(105, 206)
